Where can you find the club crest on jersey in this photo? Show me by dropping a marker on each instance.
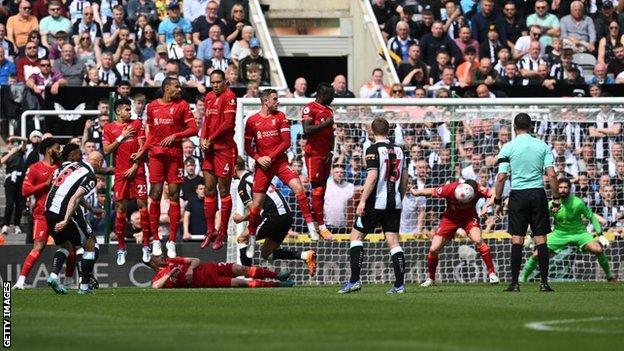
(171, 109)
(273, 121)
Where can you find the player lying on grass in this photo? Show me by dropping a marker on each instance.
(189, 272)
(275, 223)
(459, 214)
(571, 230)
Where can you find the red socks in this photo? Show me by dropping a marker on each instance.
(120, 223)
(260, 273)
(70, 264)
(254, 219)
(154, 218)
(174, 219)
(432, 265)
(29, 262)
(262, 284)
(226, 210)
(302, 199)
(145, 225)
(210, 211)
(484, 250)
(318, 201)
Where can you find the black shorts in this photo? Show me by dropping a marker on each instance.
(528, 207)
(76, 231)
(390, 221)
(274, 228)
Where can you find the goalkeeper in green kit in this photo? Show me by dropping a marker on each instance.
(571, 230)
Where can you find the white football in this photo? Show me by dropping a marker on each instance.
(464, 193)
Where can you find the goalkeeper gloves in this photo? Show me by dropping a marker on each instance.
(603, 241)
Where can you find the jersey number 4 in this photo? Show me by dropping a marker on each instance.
(393, 171)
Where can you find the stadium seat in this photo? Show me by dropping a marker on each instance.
(587, 61)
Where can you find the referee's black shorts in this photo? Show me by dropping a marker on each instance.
(528, 207)
(275, 228)
(76, 231)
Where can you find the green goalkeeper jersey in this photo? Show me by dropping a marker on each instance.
(569, 217)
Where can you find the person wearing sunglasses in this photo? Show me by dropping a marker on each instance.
(89, 25)
(53, 23)
(548, 22)
(521, 47)
(20, 25)
(29, 63)
(38, 82)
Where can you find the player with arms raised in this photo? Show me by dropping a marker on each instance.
(460, 213)
(125, 137)
(318, 126)
(381, 201)
(37, 183)
(267, 137)
(220, 151)
(169, 120)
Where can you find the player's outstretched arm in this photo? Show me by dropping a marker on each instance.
(422, 192)
(160, 283)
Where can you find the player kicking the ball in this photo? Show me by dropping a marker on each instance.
(169, 120)
(188, 272)
(267, 137)
(571, 230)
(460, 213)
(318, 126)
(125, 137)
(220, 151)
(277, 219)
(384, 188)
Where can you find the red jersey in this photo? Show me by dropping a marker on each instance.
(220, 119)
(201, 274)
(320, 143)
(165, 119)
(456, 209)
(127, 147)
(270, 134)
(34, 183)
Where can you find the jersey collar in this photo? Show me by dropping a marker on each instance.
(382, 141)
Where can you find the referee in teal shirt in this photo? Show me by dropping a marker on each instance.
(526, 158)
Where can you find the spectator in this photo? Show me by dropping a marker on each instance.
(235, 23)
(492, 45)
(523, 44)
(608, 209)
(226, 9)
(46, 77)
(300, 88)
(338, 196)
(241, 47)
(192, 177)
(397, 91)
(615, 156)
(137, 75)
(484, 92)
(232, 77)
(465, 40)
(400, 43)
(89, 26)
(467, 68)
(511, 78)
(53, 23)
(138, 107)
(472, 171)
(616, 65)
(204, 51)
(405, 14)
(138, 8)
(19, 26)
(442, 60)
(198, 78)
(383, 11)
(193, 220)
(202, 24)
(35, 37)
(436, 41)
(71, 70)
(608, 42)
(413, 72)
(515, 26)
(340, 87)
(15, 171)
(606, 130)
(423, 26)
(7, 68)
(547, 21)
(86, 52)
(503, 57)
(28, 64)
(253, 89)
(448, 80)
(529, 64)
(107, 73)
(254, 57)
(124, 65)
(561, 149)
(481, 22)
(186, 62)
(192, 9)
(147, 44)
(9, 49)
(485, 74)
(174, 50)
(595, 90)
(174, 20)
(557, 71)
(171, 70)
(375, 87)
(454, 19)
(111, 30)
(577, 30)
(355, 172)
(218, 61)
(600, 75)
(553, 53)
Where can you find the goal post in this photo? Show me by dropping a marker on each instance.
(444, 140)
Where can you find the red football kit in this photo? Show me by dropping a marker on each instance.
(35, 183)
(218, 127)
(269, 136)
(127, 188)
(458, 215)
(206, 275)
(163, 120)
(319, 144)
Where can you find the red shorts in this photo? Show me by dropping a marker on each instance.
(40, 229)
(448, 227)
(318, 169)
(166, 168)
(262, 179)
(127, 189)
(213, 275)
(221, 162)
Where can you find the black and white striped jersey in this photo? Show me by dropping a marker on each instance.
(558, 71)
(389, 160)
(274, 203)
(528, 63)
(67, 182)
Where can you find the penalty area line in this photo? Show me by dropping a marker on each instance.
(559, 325)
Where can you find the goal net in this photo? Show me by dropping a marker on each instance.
(446, 140)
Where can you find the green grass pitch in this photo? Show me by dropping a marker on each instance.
(444, 317)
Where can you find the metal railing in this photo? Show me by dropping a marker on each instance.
(375, 32)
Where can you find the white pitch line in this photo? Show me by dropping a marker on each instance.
(554, 325)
